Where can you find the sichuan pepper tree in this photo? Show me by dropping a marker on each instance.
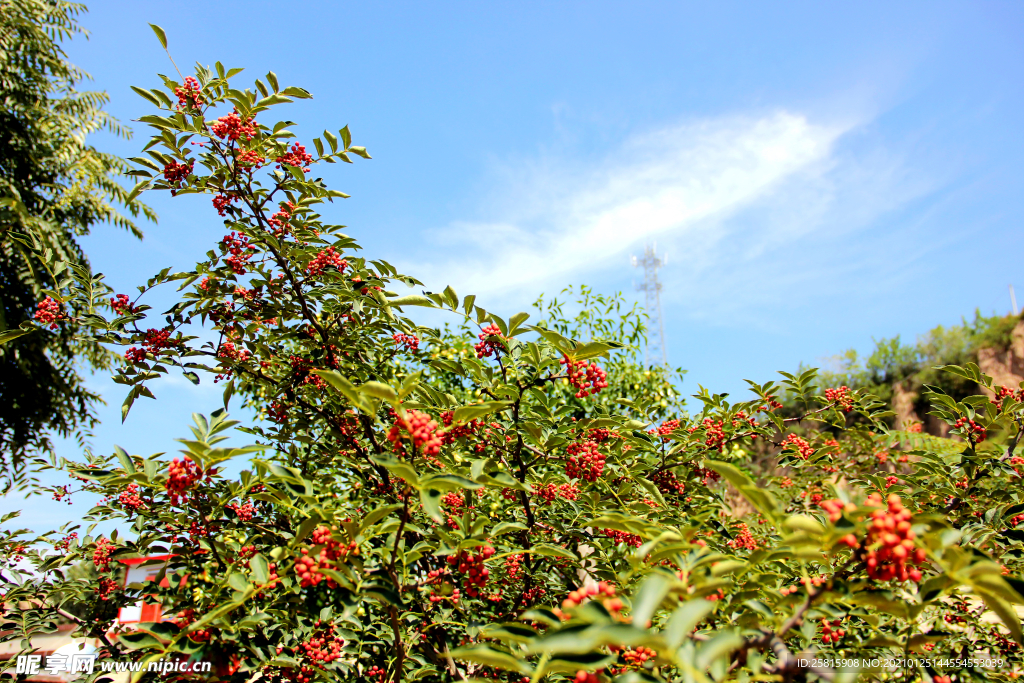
(409, 511)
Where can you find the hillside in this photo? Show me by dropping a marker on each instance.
(897, 372)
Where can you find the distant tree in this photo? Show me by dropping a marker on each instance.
(53, 188)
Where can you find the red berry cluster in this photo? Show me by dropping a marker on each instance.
(129, 498)
(442, 575)
(188, 94)
(297, 157)
(281, 218)
(889, 545)
(486, 347)
(121, 305)
(182, 477)
(471, 565)
(48, 312)
(101, 555)
(770, 404)
(603, 592)
(410, 341)
(667, 428)
(64, 544)
(324, 647)
(364, 290)
(514, 567)
(418, 428)
(828, 635)
(974, 431)
(106, 587)
(586, 677)
(584, 462)
(454, 500)
(245, 512)
(1004, 392)
(250, 160)
(587, 378)
(61, 492)
(233, 127)
(835, 509)
(327, 257)
(624, 537)
(237, 244)
(668, 483)
(375, 672)
(744, 539)
(308, 569)
(175, 173)
(228, 351)
(741, 416)
(841, 396)
(802, 448)
(549, 492)
(636, 657)
(188, 616)
(222, 201)
(277, 412)
(602, 434)
(714, 435)
(891, 480)
(453, 432)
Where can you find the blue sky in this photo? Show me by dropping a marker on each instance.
(820, 174)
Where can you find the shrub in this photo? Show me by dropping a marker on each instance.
(442, 505)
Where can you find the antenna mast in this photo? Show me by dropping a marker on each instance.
(656, 352)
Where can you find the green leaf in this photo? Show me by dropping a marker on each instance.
(470, 412)
(761, 499)
(684, 619)
(260, 569)
(593, 349)
(506, 527)
(11, 335)
(272, 79)
(137, 190)
(652, 592)
(377, 514)
(1004, 610)
(346, 137)
(805, 523)
(569, 663)
(160, 35)
(411, 300)
(722, 644)
(124, 459)
(301, 93)
(431, 499)
(147, 95)
(379, 390)
(238, 581)
(549, 550)
(398, 468)
(347, 389)
(449, 482)
(139, 640)
(332, 140)
(488, 656)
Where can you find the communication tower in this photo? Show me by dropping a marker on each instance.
(656, 352)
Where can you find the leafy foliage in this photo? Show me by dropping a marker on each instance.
(53, 189)
(437, 504)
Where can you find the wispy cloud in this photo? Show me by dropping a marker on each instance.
(683, 181)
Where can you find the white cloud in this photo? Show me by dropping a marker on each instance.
(680, 182)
